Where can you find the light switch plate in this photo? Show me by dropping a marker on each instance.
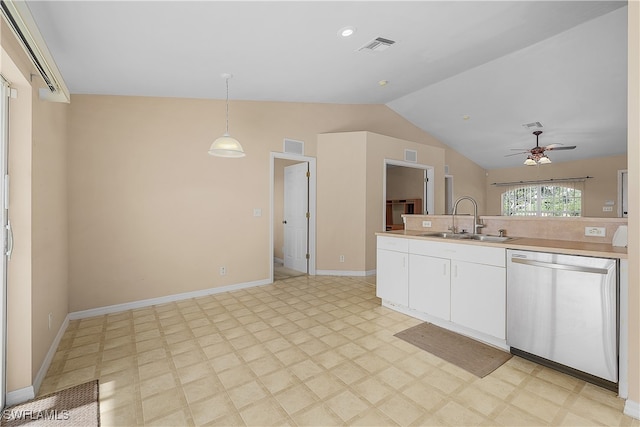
(595, 231)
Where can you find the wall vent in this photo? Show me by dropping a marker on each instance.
(377, 45)
(293, 147)
(410, 156)
(532, 125)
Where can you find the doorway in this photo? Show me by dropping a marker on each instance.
(293, 221)
(407, 189)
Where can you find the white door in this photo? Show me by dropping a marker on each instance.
(6, 232)
(296, 221)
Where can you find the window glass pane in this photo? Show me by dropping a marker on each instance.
(543, 200)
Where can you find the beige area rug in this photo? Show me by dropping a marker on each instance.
(74, 406)
(466, 353)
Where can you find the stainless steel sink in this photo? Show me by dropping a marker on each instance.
(447, 235)
(487, 238)
(467, 236)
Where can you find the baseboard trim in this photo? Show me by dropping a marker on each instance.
(27, 393)
(632, 409)
(21, 395)
(42, 372)
(352, 273)
(100, 311)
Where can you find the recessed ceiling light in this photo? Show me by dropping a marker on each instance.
(466, 117)
(383, 82)
(346, 31)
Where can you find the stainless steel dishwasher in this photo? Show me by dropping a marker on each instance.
(562, 312)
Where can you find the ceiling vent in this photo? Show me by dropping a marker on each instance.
(532, 125)
(377, 45)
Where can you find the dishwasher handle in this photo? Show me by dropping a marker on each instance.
(559, 266)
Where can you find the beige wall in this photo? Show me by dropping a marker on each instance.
(468, 180)
(350, 176)
(342, 201)
(599, 189)
(37, 271)
(633, 144)
(150, 214)
(379, 148)
(50, 257)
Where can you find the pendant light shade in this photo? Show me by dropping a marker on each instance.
(226, 145)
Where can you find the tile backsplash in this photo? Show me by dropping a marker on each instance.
(556, 228)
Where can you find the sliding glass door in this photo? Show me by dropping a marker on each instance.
(6, 232)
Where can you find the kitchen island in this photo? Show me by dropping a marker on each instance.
(461, 283)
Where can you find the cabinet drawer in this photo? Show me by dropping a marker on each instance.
(397, 244)
(472, 252)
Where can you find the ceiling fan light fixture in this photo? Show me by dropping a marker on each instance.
(544, 160)
(530, 162)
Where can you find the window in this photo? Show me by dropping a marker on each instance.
(543, 200)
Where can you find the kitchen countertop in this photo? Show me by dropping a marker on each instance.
(566, 247)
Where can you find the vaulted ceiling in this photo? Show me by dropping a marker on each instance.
(471, 73)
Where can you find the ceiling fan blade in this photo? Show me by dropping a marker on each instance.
(564, 147)
(517, 154)
(521, 149)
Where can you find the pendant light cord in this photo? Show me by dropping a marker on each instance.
(227, 124)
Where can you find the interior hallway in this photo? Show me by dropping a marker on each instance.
(311, 350)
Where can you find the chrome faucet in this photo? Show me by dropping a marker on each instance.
(476, 224)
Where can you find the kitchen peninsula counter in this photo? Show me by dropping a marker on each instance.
(565, 247)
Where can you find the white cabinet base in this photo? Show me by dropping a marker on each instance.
(487, 339)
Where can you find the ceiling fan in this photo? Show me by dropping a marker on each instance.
(536, 154)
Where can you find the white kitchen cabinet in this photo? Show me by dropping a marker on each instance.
(392, 275)
(429, 285)
(460, 286)
(478, 297)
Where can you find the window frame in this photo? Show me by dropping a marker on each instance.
(532, 200)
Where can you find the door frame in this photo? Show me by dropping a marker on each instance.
(7, 237)
(311, 237)
(427, 191)
(621, 198)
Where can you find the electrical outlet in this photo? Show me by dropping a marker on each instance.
(594, 231)
(607, 209)
(341, 258)
(223, 271)
(426, 223)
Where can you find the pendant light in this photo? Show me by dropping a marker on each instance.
(226, 145)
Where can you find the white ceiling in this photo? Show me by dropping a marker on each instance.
(502, 63)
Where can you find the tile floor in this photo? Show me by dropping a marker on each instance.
(302, 351)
